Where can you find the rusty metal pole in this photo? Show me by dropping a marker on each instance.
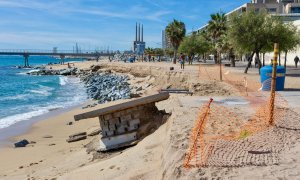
(219, 55)
(273, 85)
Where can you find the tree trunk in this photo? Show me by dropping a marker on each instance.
(259, 62)
(174, 58)
(285, 58)
(232, 57)
(279, 59)
(263, 59)
(216, 57)
(249, 62)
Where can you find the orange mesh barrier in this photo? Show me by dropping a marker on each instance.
(224, 136)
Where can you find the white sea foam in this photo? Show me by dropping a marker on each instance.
(26, 72)
(10, 120)
(63, 80)
(16, 97)
(34, 70)
(22, 73)
(43, 90)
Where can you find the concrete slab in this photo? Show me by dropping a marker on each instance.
(197, 101)
(293, 98)
(122, 106)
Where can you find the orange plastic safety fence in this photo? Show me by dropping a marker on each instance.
(217, 123)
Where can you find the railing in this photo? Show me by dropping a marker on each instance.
(55, 51)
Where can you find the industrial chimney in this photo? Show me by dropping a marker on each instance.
(139, 32)
(136, 32)
(142, 34)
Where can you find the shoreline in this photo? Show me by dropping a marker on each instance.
(9, 134)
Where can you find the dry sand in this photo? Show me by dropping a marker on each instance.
(158, 156)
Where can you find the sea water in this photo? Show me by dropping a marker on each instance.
(23, 96)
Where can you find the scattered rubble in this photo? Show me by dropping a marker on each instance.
(77, 137)
(22, 143)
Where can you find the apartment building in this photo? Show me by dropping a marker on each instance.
(289, 10)
(166, 43)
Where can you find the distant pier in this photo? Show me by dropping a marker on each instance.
(62, 54)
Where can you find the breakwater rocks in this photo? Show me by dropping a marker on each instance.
(101, 84)
(105, 87)
(64, 72)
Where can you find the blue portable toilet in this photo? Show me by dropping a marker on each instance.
(266, 78)
(131, 59)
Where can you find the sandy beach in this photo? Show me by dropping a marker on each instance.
(159, 155)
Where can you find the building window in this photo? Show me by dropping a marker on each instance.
(272, 10)
(295, 9)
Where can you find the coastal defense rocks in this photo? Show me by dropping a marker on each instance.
(64, 72)
(69, 71)
(22, 143)
(106, 87)
(101, 85)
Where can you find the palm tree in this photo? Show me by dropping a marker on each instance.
(217, 27)
(175, 32)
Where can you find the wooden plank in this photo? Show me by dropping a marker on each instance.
(136, 102)
(174, 90)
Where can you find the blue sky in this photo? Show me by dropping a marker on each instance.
(43, 24)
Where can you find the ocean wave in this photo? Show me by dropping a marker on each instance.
(63, 80)
(13, 119)
(43, 90)
(22, 73)
(16, 97)
(10, 120)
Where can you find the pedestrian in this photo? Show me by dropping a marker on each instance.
(181, 61)
(149, 57)
(190, 58)
(296, 61)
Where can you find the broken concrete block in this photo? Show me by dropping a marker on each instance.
(117, 141)
(107, 117)
(126, 118)
(94, 132)
(135, 115)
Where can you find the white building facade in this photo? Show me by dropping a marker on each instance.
(288, 9)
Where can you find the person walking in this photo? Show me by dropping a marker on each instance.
(181, 61)
(190, 58)
(296, 61)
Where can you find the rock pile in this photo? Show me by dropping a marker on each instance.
(64, 72)
(102, 85)
(106, 87)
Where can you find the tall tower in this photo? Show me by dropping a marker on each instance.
(136, 31)
(142, 38)
(139, 33)
(139, 44)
